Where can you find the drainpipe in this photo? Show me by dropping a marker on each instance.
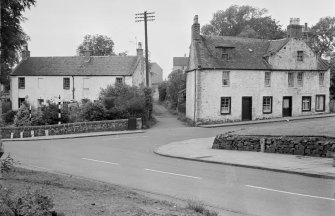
(72, 87)
(195, 93)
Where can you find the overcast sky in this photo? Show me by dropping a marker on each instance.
(57, 27)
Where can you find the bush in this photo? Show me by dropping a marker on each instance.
(9, 116)
(49, 115)
(31, 203)
(93, 111)
(123, 101)
(176, 83)
(6, 164)
(162, 91)
(22, 116)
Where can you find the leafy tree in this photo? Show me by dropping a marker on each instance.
(322, 39)
(12, 35)
(241, 19)
(176, 82)
(332, 76)
(99, 45)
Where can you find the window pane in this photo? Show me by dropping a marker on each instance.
(225, 105)
(320, 102)
(225, 78)
(321, 79)
(306, 103)
(267, 104)
(267, 78)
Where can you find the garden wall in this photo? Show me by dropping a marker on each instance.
(69, 128)
(296, 145)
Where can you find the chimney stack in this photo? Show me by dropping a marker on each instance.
(294, 30)
(195, 29)
(87, 54)
(139, 49)
(25, 52)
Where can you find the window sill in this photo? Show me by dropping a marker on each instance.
(267, 112)
(225, 113)
(306, 110)
(319, 110)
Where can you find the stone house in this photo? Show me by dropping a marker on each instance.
(237, 79)
(39, 79)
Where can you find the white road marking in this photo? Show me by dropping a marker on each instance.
(286, 192)
(176, 174)
(100, 161)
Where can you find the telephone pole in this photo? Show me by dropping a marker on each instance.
(145, 17)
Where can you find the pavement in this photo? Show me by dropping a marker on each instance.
(72, 136)
(201, 150)
(269, 120)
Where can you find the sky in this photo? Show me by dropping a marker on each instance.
(57, 27)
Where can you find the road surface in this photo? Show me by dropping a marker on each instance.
(129, 160)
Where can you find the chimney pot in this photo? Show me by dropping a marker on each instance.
(25, 52)
(195, 29)
(139, 49)
(87, 55)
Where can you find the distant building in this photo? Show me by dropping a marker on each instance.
(156, 74)
(237, 79)
(39, 79)
(180, 63)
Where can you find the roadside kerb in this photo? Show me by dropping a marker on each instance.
(73, 136)
(267, 121)
(199, 159)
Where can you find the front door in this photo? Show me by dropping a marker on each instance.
(287, 106)
(246, 108)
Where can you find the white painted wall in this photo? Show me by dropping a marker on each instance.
(250, 83)
(50, 87)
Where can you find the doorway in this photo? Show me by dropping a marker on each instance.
(246, 108)
(287, 106)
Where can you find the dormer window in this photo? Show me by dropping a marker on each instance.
(300, 56)
(224, 52)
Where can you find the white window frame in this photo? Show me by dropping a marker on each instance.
(65, 87)
(300, 55)
(267, 104)
(225, 78)
(22, 85)
(306, 103)
(267, 79)
(118, 78)
(225, 105)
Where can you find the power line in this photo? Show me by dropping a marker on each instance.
(145, 17)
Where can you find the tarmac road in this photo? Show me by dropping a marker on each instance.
(129, 160)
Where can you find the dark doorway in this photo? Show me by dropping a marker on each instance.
(246, 108)
(287, 106)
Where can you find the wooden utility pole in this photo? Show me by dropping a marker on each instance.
(145, 17)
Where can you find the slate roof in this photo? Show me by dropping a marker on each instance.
(180, 61)
(77, 66)
(247, 53)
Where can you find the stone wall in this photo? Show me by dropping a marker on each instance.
(70, 128)
(296, 145)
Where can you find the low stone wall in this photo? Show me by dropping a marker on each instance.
(69, 128)
(296, 145)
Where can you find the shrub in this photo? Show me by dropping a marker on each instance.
(8, 117)
(176, 83)
(31, 203)
(22, 116)
(123, 101)
(93, 111)
(162, 91)
(6, 164)
(49, 115)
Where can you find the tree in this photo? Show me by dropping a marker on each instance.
(99, 45)
(176, 82)
(12, 35)
(322, 38)
(239, 19)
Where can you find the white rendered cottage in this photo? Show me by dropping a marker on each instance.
(237, 79)
(39, 79)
